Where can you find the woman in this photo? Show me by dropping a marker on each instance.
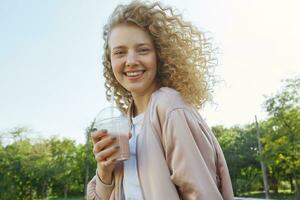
(157, 66)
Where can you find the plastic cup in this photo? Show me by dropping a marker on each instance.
(116, 124)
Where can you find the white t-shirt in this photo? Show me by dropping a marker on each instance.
(131, 184)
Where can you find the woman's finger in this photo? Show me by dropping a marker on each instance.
(105, 154)
(103, 143)
(97, 135)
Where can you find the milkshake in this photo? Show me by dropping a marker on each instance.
(123, 153)
(117, 125)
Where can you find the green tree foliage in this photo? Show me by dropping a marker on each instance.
(14, 171)
(240, 149)
(282, 135)
(35, 170)
(281, 145)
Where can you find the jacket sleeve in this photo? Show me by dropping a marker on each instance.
(225, 182)
(190, 155)
(97, 190)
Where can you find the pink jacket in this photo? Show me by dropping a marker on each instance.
(178, 156)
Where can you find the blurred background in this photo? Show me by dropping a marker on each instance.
(51, 88)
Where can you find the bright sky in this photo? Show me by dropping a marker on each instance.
(50, 59)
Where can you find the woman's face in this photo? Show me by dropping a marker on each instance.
(133, 59)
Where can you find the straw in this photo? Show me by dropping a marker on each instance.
(112, 98)
(112, 102)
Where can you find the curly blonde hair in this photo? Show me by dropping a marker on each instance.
(184, 55)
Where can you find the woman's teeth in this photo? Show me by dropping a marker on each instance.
(132, 74)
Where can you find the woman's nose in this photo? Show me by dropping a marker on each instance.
(131, 59)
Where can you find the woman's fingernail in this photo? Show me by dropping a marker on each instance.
(117, 147)
(113, 138)
(103, 130)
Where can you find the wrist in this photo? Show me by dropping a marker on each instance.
(105, 177)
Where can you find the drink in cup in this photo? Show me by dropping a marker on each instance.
(117, 125)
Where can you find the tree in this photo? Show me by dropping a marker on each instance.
(66, 172)
(282, 134)
(239, 145)
(14, 173)
(39, 169)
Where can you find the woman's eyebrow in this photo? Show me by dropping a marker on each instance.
(137, 45)
(142, 44)
(118, 47)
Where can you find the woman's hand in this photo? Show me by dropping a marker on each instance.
(104, 147)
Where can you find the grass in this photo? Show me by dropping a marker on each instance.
(69, 198)
(281, 195)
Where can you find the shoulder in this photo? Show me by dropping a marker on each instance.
(165, 101)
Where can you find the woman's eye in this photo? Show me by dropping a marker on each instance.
(144, 50)
(118, 53)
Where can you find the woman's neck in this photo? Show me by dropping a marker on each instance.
(141, 101)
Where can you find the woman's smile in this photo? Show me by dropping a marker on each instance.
(134, 75)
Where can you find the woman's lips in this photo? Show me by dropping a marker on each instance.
(134, 75)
